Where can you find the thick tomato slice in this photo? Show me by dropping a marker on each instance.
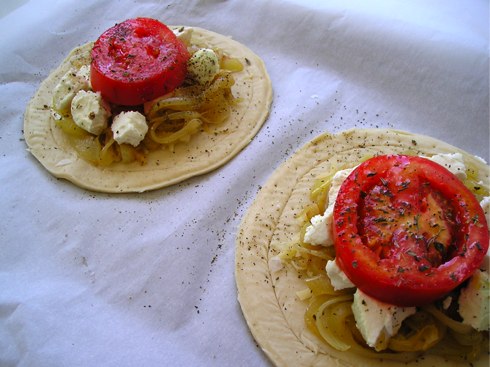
(136, 61)
(406, 230)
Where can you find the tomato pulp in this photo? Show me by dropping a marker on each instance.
(136, 61)
(406, 230)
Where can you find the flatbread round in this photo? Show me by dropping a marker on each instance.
(268, 300)
(205, 152)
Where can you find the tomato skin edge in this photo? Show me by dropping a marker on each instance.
(379, 277)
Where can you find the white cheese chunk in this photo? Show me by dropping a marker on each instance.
(474, 302)
(320, 230)
(90, 112)
(378, 321)
(203, 66)
(66, 89)
(453, 162)
(337, 277)
(129, 128)
(337, 181)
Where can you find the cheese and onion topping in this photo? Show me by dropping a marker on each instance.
(379, 322)
(320, 230)
(205, 99)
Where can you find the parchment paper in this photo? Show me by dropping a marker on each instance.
(89, 279)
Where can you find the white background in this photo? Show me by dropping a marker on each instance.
(89, 279)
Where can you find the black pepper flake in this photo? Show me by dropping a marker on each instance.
(440, 248)
(423, 267)
(413, 254)
(404, 185)
(388, 193)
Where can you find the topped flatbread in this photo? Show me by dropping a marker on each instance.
(275, 297)
(208, 148)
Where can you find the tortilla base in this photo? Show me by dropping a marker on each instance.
(204, 153)
(268, 301)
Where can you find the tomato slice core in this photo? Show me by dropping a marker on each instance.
(407, 231)
(136, 61)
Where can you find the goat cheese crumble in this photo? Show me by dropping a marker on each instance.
(378, 321)
(129, 128)
(90, 112)
(474, 302)
(203, 66)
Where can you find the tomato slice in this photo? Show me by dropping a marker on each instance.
(406, 230)
(136, 61)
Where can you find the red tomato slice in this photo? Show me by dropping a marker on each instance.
(407, 231)
(136, 61)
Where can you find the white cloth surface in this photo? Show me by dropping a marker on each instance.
(90, 279)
